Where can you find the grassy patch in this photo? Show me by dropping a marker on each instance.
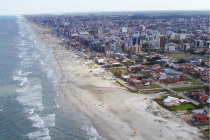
(193, 82)
(153, 91)
(181, 55)
(181, 107)
(147, 87)
(126, 87)
(144, 72)
(188, 81)
(113, 71)
(206, 132)
(160, 101)
(185, 89)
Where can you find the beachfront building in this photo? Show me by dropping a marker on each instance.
(200, 119)
(171, 101)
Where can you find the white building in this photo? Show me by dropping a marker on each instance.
(170, 47)
(171, 101)
(185, 47)
(124, 30)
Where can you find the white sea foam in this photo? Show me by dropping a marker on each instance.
(37, 121)
(49, 120)
(26, 73)
(21, 79)
(56, 104)
(32, 100)
(90, 131)
(31, 111)
(41, 134)
(19, 72)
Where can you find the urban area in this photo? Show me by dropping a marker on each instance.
(146, 53)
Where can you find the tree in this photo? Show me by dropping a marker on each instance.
(141, 57)
(181, 61)
(197, 75)
(116, 74)
(132, 69)
(201, 106)
(202, 53)
(202, 63)
(206, 88)
(139, 78)
(191, 51)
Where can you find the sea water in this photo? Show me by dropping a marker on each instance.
(32, 107)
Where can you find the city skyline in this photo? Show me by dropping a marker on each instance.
(11, 7)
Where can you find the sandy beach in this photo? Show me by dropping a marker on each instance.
(114, 112)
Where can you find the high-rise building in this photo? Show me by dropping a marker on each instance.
(185, 47)
(116, 47)
(198, 43)
(162, 40)
(100, 31)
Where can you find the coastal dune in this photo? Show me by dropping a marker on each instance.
(115, 112)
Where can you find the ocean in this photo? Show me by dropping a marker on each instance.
(31, 105)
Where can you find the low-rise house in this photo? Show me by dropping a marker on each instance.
(183, 101)
(207, 64)
(156, 66)
(155, 75)
(183, 77)
(121, 74)
(129, 72)
(202, 97)
(100, 61)
(205, 78)
(131, 79)
(136, 75)
(198, 95)
(136, 82)
(200, 119)
(171, 101)
(168, 71)
(194, 94)
(126, 77)
(196, 111)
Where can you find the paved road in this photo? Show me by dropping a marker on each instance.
(187, 98)
(190, 77)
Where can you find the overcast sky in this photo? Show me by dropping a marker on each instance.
(59, 6)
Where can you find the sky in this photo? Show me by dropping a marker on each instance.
(11, 7)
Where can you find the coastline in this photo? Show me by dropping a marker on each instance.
(114, 112)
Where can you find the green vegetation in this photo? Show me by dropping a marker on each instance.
(153, 91)
(186, 89)
(144, 72)
(153, 60)
(193, 82)
(200, 106)
(126, 87)
(181, 55)
(160, 101)
(206, 132)
(188, 81)
(182, 106)
(180, 61)
(147, 87)
(197, 75)
(113, 71)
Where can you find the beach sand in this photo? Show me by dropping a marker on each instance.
(114, 112)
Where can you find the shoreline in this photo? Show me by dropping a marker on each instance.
(113, 111)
